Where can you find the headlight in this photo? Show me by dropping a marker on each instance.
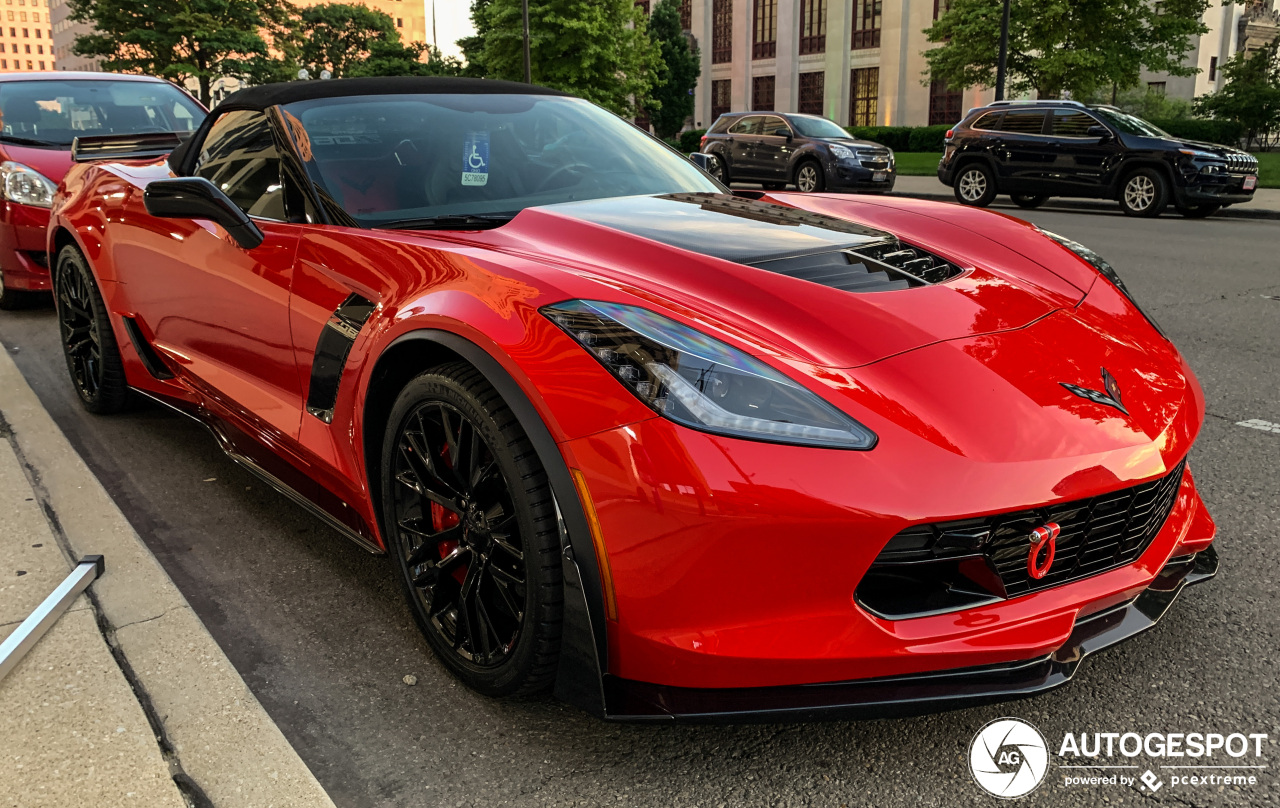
(701, 382)
(1199, 155)
(26, 186)
(1108, 271)
(841, 152)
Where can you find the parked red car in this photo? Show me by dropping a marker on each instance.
(675, 452)
(41, 114)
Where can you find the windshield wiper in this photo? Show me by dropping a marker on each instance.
(449, 221)
(28, 141)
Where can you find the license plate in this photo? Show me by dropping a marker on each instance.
(1250, 182)
(879, 176)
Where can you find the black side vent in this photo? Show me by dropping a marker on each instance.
(882, 267)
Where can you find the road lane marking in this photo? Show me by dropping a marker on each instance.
(1258, 423)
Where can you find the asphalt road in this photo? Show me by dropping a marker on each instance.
(318, 630)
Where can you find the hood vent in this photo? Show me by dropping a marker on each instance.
(883, 267)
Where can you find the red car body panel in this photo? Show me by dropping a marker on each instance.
(734, 562)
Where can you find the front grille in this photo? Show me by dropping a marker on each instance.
(1242, 164)
(945, 566)
(876, 160)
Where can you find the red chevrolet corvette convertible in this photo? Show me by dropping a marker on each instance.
(671, 451)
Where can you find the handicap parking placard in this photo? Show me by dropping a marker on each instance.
(475, 159)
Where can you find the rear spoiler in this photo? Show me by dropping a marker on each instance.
(146, 146)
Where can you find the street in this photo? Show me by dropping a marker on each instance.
(319, 631)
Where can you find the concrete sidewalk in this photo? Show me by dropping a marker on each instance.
(1265, 204)
(127, 700)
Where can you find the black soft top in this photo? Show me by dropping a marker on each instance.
(287, 92)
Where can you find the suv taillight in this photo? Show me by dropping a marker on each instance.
(702, 143)
(949, 134)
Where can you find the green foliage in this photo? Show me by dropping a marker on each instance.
(927, 138)
(897, 138)
(691, 141)
(597, 49)
(1251, 94)
(1057, 46)
(181, 39)
(339, 36)
(473, 46)
(670, 101)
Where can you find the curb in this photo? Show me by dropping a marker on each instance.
(1233, 212)
(223, 748)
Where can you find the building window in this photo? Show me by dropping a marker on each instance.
(1213, 68)
(764, 29)
(813, 26)
(721, 97)
(721, 31)
(399, 22)
(644, 6)
(864, 93)
(944, 104)
(811, 85)
(940, 7)
(1157, 87)
(866, 23)
(762, 92)
(686, 15)
(642, 120)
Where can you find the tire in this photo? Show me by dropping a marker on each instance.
(1029, 201)
(14, 299)
(88, 343)
(809, 177)
(774, 186)
(1198, 211)
(479, 561)
(1144, 193)
(718, 168)
(975, 185)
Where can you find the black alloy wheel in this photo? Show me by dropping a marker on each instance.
(716, 168)
(88, 343)
(479, 555)
(1029, 201)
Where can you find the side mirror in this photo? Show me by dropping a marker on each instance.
(702, 161)
(1100, 132)
(782, 131)
(197, 198)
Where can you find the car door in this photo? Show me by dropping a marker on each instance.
(1085, 160)
(773, 149)
(742, 143)
(220, 312)
(1024, 153)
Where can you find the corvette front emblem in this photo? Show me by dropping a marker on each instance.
(1111, 398)
(1044, 542)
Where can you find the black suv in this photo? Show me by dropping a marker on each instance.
(776, 148)
(1033, 150)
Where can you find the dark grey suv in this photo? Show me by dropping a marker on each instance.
(777, 148)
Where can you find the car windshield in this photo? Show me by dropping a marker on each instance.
(1130, 124)
(406, 159)
(53, 113)
(817, 127)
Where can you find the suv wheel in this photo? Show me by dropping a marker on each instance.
(975, 185)
(1198, 211)
(809, 177)
(1029, 201)
(1144, 193)
(717, 169)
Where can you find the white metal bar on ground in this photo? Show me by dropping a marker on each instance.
(26, 635)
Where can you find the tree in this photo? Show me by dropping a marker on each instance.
(180, 40)
(670, 101)
(473, 46)
(597, 49)
(338, 36)
(1250, 94)
(1057, 46)
(392, 58)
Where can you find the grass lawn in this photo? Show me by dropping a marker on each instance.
(917, 164)
(925, 164)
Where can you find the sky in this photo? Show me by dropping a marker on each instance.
(453, 21)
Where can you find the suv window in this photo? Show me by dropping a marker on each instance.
(1023, 122)
(749, 125)
(1073, 123)
(721, 124)
(774, 126)
(990, 122)
(240, 157)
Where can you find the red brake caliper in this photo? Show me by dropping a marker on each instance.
(442, 519)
